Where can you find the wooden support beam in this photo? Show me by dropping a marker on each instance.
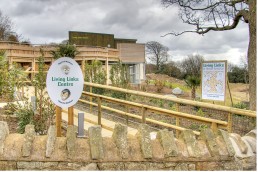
(99, 111)
(58, 121)
(70, 116)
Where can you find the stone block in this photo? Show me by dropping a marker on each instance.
(251, 141)
(4, 132)
(208, 136)
(143, 136)
(90, 167)
(191, 143)
(28, 140)
(111, 166)
(252, 133)
(135, 166)
(8, 166)
(96, 143)
(51, 139)
(120, 138)
(71, 138)
(167, 141)
(181, 167)
(225, 136)
(241, 145)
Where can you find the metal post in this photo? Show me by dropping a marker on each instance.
(34, 103)
(58, 121)
(80, 124)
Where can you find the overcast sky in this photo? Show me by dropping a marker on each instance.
(45, 21)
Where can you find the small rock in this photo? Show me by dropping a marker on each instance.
(177, 91)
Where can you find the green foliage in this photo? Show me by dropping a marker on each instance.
(240, 105)
(119, 76)
(42, 116)
(171, 69)
(159, 84)
(161, 103)
(11, 77)
(64, 50)
(96, 74)
(193, 82)
(198, 127)
(200, 112)
(238, 75)
(25, 116)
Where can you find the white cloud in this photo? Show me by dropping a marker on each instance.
(45, 21)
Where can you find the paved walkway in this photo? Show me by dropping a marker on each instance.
(90, 120)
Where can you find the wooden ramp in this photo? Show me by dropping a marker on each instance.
(90, 120)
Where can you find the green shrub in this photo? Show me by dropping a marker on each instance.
(240, 105)
(119, 76)
(11, 77)
(96, 74)
(42, 116)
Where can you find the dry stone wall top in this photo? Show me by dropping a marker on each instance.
(209, 151)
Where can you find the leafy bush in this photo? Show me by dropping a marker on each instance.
(64, 50)
(159, 84)
(42, 115)
(240, 105)
(11, 77)
(96, 74)
(119, 76)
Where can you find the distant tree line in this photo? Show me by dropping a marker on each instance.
(190, 66)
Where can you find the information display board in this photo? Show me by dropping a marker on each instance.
(213, 83)
(65, 82)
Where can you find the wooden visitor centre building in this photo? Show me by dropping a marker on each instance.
(91, 46)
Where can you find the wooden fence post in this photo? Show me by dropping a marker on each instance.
(177, 121)
(90, 100)
(126, 109)
(143, 114)
(214, 127)
(99, 111)
(70, 116)
(58, 121)
(229, 123)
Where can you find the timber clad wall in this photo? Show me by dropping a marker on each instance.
(130, 52)
(91, 39)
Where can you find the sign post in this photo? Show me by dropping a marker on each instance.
(213, 85)
(64, 86)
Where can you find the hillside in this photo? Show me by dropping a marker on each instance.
(239, 91)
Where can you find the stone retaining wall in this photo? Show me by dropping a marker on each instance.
(209, 151)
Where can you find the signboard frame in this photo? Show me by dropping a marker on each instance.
(225, 76)
(64, 76)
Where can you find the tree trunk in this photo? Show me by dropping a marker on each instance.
(193, 93)
(252, 54)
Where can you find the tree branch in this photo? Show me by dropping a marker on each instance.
(202, 30)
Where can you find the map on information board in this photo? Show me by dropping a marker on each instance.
(214, 80)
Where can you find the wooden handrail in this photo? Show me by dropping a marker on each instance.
(178, 100)
(160, 110)
(138, 117)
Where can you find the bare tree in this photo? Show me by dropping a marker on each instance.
(158, 53)
(6, 29)
(192, 65)
(221, 15)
